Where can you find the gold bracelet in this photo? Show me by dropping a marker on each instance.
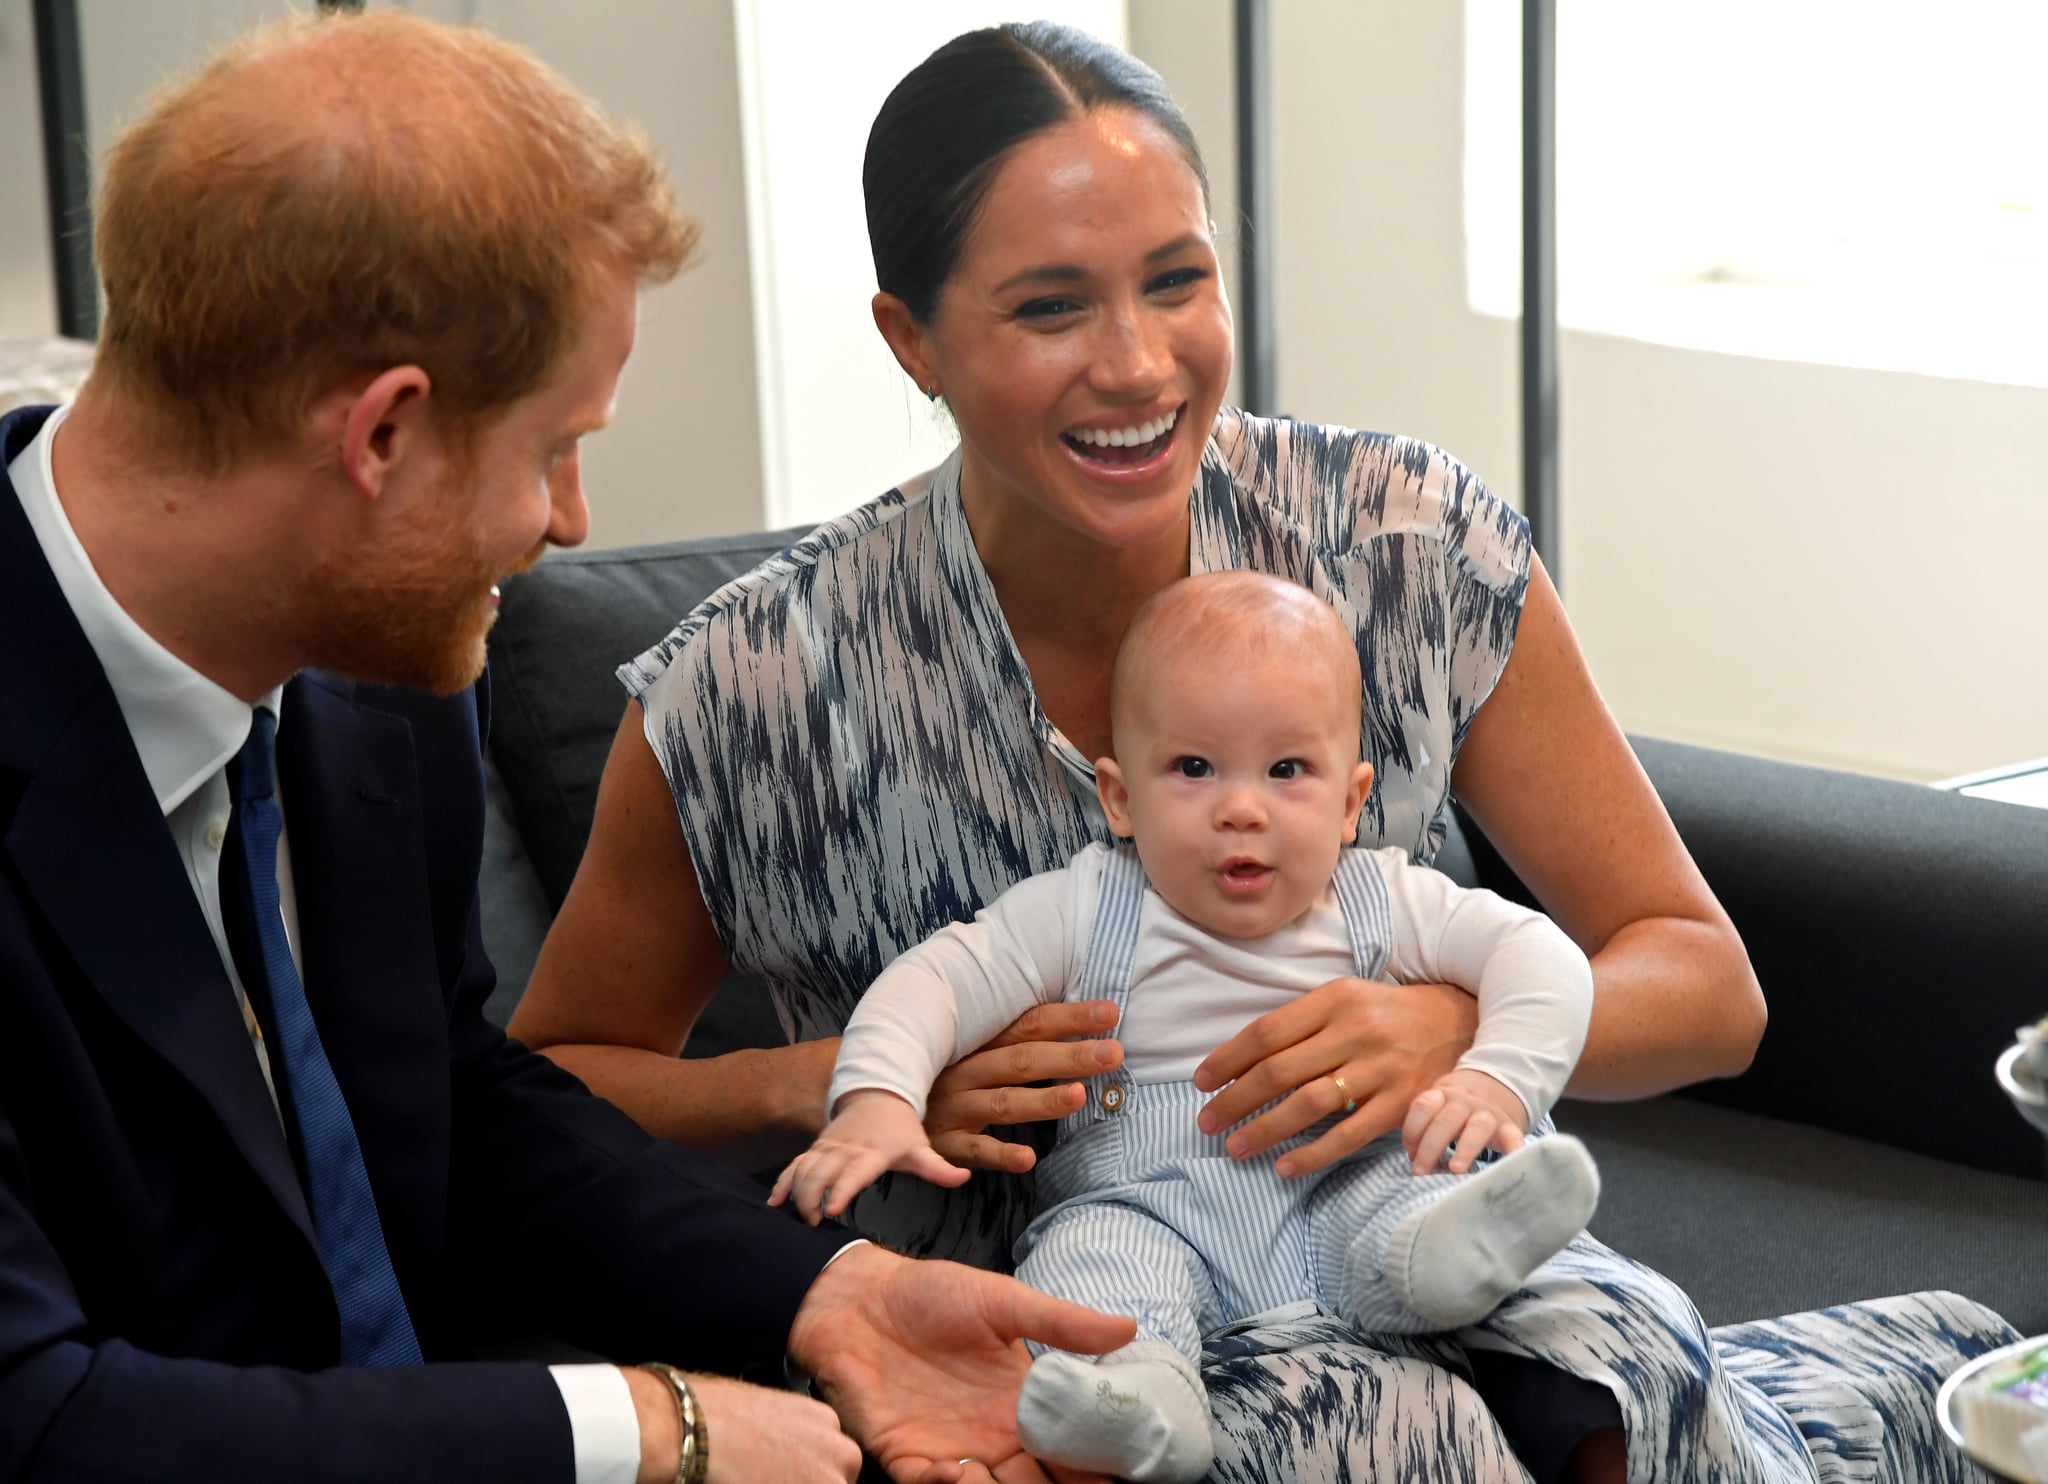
(695, 1457)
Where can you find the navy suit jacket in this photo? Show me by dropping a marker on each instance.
(163, 1309)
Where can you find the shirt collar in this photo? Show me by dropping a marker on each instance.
(185, 727)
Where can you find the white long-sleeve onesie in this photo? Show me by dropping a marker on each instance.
(1191, 990)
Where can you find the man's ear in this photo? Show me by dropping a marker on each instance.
(907, 342)
(1354, 799)
(1116, 798)
(382, 426)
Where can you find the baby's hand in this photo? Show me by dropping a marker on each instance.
(1462, 1113)
(873, 1131)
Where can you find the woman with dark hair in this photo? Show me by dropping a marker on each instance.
(880, 730)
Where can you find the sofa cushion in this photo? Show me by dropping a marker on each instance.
(561, 630)
(512, 911)
(1754, 1216)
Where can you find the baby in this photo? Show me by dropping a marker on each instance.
(1235, 710)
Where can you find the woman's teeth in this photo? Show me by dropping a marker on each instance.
(1127, 437)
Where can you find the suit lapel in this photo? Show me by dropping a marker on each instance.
(353, 811)
(92, 851)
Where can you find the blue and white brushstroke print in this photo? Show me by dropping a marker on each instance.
(858, 758)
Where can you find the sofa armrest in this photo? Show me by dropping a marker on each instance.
(1900, 933)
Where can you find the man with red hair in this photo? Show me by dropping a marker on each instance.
(263, 1164)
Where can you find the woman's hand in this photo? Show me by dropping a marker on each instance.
(995, 1084)
(1388, 1042)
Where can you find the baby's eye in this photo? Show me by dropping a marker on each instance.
(1287, 767)
(1193, 767)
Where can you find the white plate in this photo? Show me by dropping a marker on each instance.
(2027, 1095)
(1945, 1399)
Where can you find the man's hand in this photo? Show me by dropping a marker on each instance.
(1462, 1114)
(756, 1436)
(922, 1361)
(872, 1131)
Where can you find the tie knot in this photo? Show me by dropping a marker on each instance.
(253, 773)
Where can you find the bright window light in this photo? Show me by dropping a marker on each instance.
(1860, 184)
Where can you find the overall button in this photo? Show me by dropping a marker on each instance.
(1112, 1097)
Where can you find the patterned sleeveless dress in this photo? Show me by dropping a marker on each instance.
(858, 758)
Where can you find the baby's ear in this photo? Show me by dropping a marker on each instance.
(1354, 799)
(1116, 798)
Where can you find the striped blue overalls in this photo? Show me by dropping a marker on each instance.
(1153, 1218)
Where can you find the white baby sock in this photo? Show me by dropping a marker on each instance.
(1139, 1413)
(1461, 1254)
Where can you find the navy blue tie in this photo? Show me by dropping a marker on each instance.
(375, 1328)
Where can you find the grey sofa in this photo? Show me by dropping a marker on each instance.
(1901, 934)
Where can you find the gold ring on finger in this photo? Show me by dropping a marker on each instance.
(1350, 1102)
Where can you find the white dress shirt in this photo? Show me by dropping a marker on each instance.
(186, 730)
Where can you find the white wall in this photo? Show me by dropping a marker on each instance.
(130, 46)
(840, 422)
(28, 300)
(1814, 562)
(684, 456)
(1841, 565)
(1192, 45)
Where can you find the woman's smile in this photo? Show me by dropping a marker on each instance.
(1127, 451)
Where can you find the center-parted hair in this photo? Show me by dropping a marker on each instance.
(946, 128)
(1232, 619)
(339, 196)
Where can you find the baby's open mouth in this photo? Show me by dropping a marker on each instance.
(1131, 445)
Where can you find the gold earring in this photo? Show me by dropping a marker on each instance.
(931, 393)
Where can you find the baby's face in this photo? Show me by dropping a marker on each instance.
(1240, 785)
